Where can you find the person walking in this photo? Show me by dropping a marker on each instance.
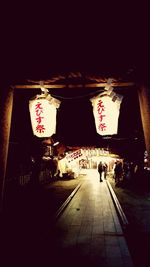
(118, 170)
(100, 170)
(105, 168)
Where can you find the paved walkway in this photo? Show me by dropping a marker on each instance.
(88, 232)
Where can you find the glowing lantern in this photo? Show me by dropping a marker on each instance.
(106, 108)
(43, 116)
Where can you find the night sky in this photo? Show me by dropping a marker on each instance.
(38, 41)
(109, 41)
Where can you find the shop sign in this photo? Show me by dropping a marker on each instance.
(74, 155)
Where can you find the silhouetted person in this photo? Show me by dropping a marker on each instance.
(53, 166)
(105, 168)
(100, 170)
(125, 170)
(118, 170)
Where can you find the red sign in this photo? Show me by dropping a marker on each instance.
(74, 155)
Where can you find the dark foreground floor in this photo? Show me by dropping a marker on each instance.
(134, 197)
(26, 219)
(87, 234)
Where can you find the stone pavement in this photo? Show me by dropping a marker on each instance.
(27, 216)
(88, 232)
(134, 197)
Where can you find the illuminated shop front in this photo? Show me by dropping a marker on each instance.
(78, 161)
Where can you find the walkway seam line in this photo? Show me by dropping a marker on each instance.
(117, 205)
(63, 206)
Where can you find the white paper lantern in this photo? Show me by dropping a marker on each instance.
(43, 117)
(106, 110)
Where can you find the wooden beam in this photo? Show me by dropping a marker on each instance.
(90, 85)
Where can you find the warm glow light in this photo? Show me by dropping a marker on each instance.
(55, 144)
(43, 117)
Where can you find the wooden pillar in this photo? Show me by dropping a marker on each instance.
(6, 104)
(144, 100)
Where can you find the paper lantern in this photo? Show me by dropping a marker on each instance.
(43, 117)
(106, 110)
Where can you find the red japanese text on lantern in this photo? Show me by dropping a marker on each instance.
(38, 111)
(101, 115)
